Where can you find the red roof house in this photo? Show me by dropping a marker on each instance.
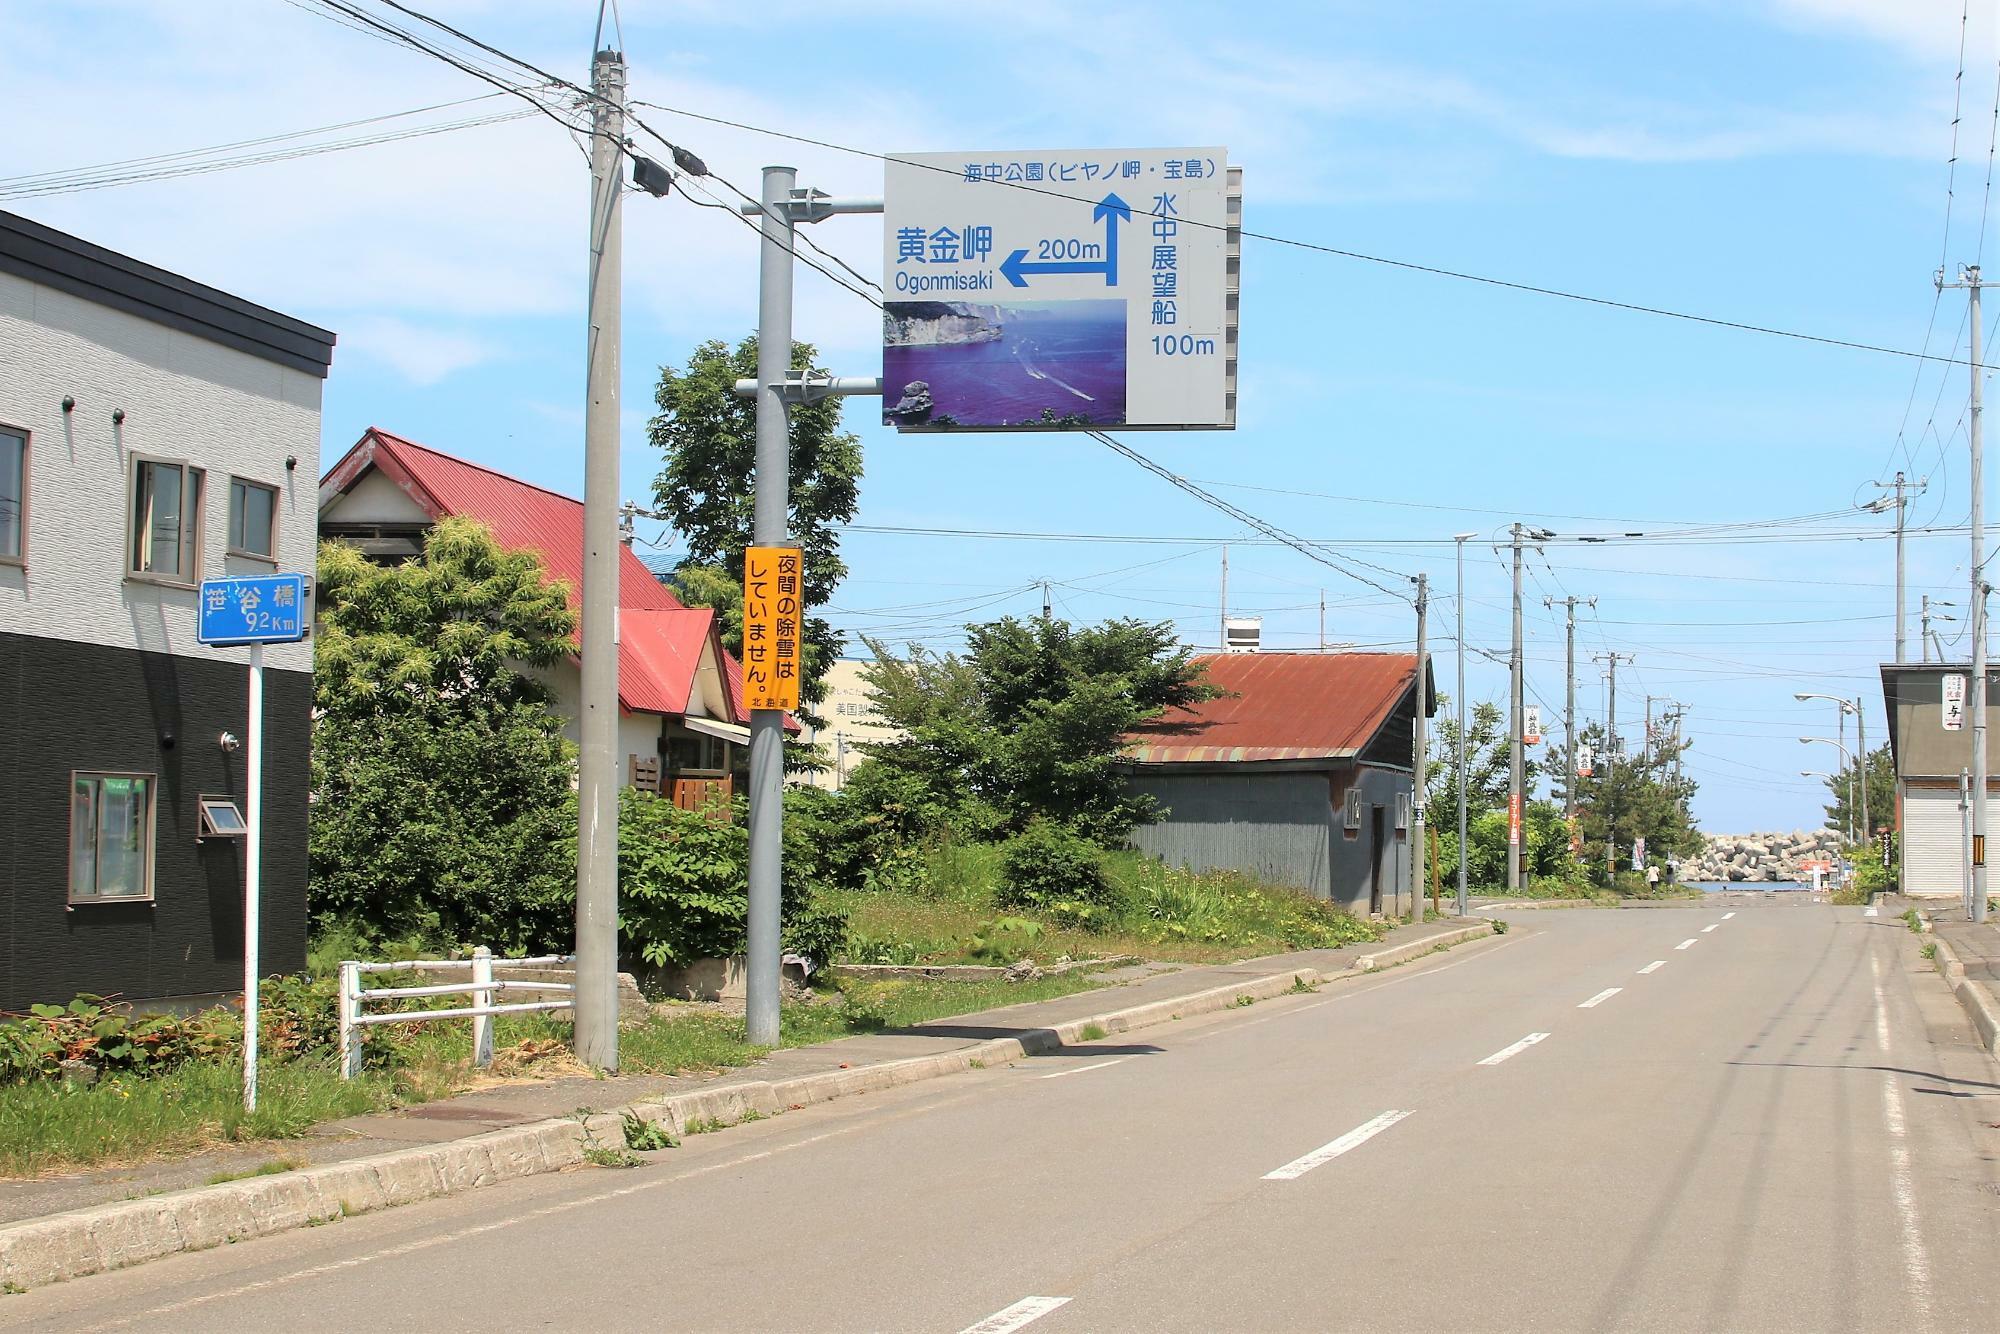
(679, 692)
(1299, 774)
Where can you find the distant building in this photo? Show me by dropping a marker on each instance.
(1300, 774)
(154, 432)
(851, 722)
(682, 729)
(1929, 759)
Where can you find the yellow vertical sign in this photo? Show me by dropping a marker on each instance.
(773, 616)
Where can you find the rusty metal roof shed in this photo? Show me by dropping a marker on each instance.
(1285, 706)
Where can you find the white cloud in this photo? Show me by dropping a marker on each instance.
(420, 354)
(1924, 29)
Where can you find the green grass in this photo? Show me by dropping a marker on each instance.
(275, 1167)
(53, 1127)
(1913, 921)
(1174, 914)
(1092, 1033)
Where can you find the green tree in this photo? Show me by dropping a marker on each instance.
(707, 435)
(1630, 796)
(1488, 761)
(1030, 721)
(1881, 793)
(441, 784)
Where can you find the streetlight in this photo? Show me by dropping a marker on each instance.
(1460, 539)
(1846, 756)
(1852, 706)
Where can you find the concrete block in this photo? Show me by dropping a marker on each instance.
(277, 1203)
(407, 1176)
(49, 1250)
(464, 1164)
(348, 1188)
(130, 1234)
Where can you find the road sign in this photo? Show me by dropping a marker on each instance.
(1585, 758)
(1060, 289)
(262, 609)
(1531, 725)
(773, 617)
(1954, 702)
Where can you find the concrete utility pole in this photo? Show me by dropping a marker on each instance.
(1047, 611)
(1969, 279)
(1463, 860)
(1611, 764)
(782, 206)
(1421, 757)
(1926, 635)
(596, 1013)
(1515, 747)
(1569, 605)
(1901, 503)
(1861, 766)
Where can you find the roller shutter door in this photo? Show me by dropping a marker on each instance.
(1933, 841)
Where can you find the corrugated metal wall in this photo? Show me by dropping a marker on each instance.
(1933, 841)
(1280, 827)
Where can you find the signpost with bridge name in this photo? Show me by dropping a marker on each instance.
(253, 611)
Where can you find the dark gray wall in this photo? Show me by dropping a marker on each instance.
(1284, 827)
(66, 706)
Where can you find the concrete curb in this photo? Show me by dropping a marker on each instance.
(1979, 1004)
(115, 1236)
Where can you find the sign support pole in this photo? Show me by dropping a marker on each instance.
(253, 870)
(1420, 760)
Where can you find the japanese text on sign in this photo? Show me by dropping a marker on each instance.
(1954, 702)
(266, 609)
(773, 616)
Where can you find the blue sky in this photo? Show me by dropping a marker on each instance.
(1780, 163)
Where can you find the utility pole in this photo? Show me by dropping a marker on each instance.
(1463, 861)
(1969, 279)
(1569, 605)
(1861, 766)
(1222, 620)
(1420, 761)
(1322, 620)
(596, 996)
(1047, 612)
(1515, 748)
(1611, 765)
(1901, 502)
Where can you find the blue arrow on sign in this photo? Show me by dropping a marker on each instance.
(1110, 211)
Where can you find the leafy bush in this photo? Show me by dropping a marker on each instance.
(1228, 908)
(684, 886)
(1004, 940)
(1059, 873)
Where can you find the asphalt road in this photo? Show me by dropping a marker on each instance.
(1774, 1119)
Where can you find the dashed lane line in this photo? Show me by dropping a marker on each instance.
(1326, 1153)
(1077, 1070)
(1655, 964)
(1023, 1312)
(1710, 927)
(1686, 944)
(1516, 1049)
(1726, 916)
(1600, 998)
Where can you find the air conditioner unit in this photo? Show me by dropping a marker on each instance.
(1242, 634)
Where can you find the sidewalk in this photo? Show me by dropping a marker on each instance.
(1968, 955)
(63, 1227)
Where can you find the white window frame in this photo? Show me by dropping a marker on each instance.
(26, 438)
(248, 483)
(188, 575)
(152, 810)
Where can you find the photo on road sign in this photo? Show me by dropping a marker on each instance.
(959, 363)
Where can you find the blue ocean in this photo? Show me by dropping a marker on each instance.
(1067, 358)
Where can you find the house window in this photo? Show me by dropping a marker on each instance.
(110, 837)
(13, 494)
(166, 521)
(253, 511)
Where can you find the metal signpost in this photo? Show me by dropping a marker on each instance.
(266, 609)
(1060, 289)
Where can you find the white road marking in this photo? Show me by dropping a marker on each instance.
(1657, 963)
(1881, 1007)
(1514, 1050)
(1870, 912)
(1685, 943)
(1077, 1070)
(1326, 1153)
(1710, 927)
(1600, 998)
(1916, 1263)
(1726, 916)
(1020, 1313)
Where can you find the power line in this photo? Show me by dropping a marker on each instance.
(1317, 247)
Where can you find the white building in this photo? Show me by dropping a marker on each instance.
(851, 723)
(154, 432)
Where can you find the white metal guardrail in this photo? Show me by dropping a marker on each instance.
(481, 985)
